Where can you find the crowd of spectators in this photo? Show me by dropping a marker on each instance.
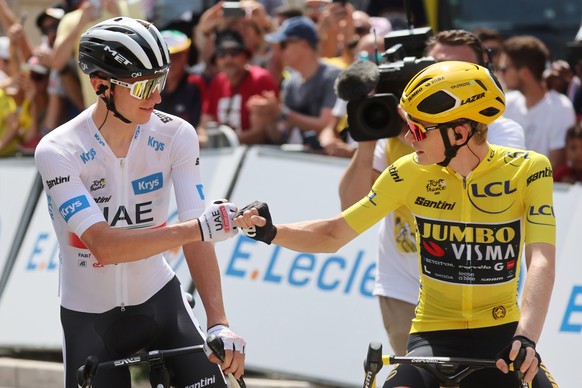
(264, 68)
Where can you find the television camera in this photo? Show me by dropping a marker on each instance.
(375, 115)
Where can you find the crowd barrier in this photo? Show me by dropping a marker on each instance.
(303, 315)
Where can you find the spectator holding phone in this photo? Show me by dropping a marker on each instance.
(248, 18)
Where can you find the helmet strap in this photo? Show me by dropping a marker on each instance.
(451, 150)
(110, 104)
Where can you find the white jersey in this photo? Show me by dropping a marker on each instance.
(86, 183)
(545, 124)
(397, 264)
(506, 132)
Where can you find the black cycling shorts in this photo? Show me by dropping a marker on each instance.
(483, 343)
(163, 322)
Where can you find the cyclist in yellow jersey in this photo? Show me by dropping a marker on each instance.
(478, 207)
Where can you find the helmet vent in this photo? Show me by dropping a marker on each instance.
(437, 103)
(417, 83)
(480, 83)
(489, 112)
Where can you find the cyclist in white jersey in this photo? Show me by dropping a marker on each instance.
(107, 175)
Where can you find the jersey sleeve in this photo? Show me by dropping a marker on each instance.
(540, 224)
(387, 194)
(186, 177)
(67, 196)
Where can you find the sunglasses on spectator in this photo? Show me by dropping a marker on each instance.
(419, 131)
(228, 52)
(143, 89)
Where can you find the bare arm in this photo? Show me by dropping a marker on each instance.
(358, 178)
(203, 265)
(201, 129)
(309, 236)
(7, 17)
(257, 134)
(64, 45)
(540, 260)
(541, 265)
(332, 143)
(113, 245)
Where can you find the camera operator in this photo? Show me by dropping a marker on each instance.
(397, 268)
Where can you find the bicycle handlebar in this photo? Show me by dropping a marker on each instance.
(448, 370)
(86, 373)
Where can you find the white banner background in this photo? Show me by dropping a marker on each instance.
(303, 315)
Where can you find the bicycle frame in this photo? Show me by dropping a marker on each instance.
(448, 370)
(159, 375)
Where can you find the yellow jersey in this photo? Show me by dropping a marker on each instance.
(470, 232)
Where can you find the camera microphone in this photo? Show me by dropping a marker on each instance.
(357, 81)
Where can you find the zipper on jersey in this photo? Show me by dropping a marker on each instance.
(122, 267)
(467, 292)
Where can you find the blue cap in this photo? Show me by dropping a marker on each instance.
(299, 27)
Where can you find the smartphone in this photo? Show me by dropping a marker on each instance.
(232, 9)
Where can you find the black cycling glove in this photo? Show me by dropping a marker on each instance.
(265, 233)
(525, 343)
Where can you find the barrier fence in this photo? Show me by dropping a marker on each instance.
(304, 315)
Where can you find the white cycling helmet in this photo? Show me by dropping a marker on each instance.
(123, 47)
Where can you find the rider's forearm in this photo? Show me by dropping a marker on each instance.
(358, 178)
(538, 289)
(112, 246)
(205, 273)
(315, 236)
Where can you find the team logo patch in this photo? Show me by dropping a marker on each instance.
(469, 253)
(436, 186)
(499, 312)
(516, 159)
(482, 196)
(98, 184)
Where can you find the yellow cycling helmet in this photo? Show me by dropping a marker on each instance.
(452, 90)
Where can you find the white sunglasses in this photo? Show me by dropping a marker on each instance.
(143, 89)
